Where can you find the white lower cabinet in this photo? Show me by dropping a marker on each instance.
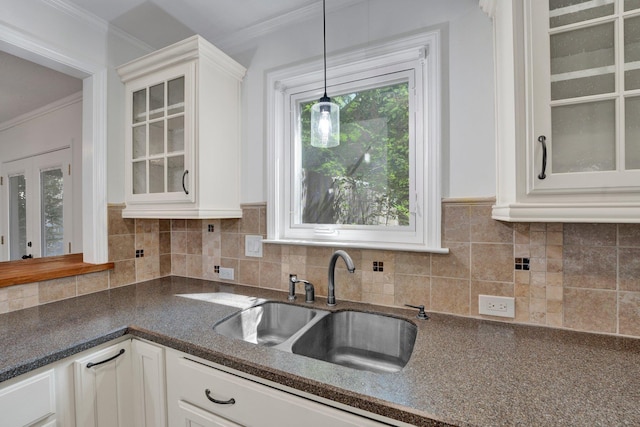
(149, 385)
(30, 401)
(103, 387)
(201, 395)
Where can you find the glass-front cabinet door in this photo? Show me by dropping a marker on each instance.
(584, 65)
(158, 136)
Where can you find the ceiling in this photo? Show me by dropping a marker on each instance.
(25, 86)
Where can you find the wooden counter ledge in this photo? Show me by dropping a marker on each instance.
(39, 269)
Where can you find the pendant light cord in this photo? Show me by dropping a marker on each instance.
(324, 41)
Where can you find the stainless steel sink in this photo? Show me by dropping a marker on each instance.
(359, 340)
(267, 324)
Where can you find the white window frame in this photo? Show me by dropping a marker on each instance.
(420, 55)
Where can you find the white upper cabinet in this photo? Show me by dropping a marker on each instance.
(567, 110)
(183, 133)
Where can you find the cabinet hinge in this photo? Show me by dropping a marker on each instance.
(69, 173)
(1, 180)
(69, 247)
(1, 240)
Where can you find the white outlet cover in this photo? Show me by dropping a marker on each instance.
(497, 306)
(226, 273)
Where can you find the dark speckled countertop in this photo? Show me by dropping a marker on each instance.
(463, 371)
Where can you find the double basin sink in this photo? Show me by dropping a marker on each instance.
(365, 341)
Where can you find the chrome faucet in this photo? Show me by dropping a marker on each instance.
(331, 297)
(309, 291)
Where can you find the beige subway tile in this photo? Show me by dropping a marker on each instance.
(414, 290)
(164, 225)
(538, 318)
(590, 267)
(538, 292)
(379, 299)
(230, 245)
(250, 222)
(93, 282)
(538, 264)
(554, 265)
(317, 276)
(629, 313)
(123, 273)
(522, 310)
(629, 234)
(629, 269)
(537, 251)
(178, 225)
(494, 262)
(147, 268)
(450, 295)
(521, 290)
(485, 229)
(179, 265)
(537, 305)
(522, 251)
(522, 277)
(318, 256)
(248, 272)
(121, 247)
(194, 242)
(456, 223)
(263, 220)
(117, 224)
(57, 289)
(538, 226)
(521, 233)
(348, 286)
(554, 293)
(538, 238)
(555, 227)
(416, 263)
(538, 278)
(554, 319)
(590, 310)
(554, 252)
(590, 234)
(230, 225)
(194, 225)
(179, 242)
(165, 265)
(194, 266)
(555, 238)
(164, 244)
(271, 275)
(554, 307)
(455, 264)
(554, 279)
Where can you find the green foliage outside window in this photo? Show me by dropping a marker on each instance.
(365, 180)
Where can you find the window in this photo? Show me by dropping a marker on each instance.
(380, 188)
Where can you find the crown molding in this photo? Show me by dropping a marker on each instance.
(270, 25)
(41, 111)
(87, 17)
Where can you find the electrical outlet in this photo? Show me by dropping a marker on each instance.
(497, 306)
(226, 273)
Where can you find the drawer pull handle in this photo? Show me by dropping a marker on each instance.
(231, 401)
(91, 364)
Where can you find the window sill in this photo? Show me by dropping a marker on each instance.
(39, 269)
(360, 245)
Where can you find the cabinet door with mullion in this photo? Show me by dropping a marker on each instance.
(583, 83)
(160, 137)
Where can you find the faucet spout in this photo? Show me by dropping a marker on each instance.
(331, 297)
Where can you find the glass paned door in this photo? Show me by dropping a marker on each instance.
(158, 138)
(39, 205)
(17, 217)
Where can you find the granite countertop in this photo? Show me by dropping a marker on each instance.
(463, 371)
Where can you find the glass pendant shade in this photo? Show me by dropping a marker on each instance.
(325, 124)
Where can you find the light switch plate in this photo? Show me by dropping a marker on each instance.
(226, 273)
(253, 246)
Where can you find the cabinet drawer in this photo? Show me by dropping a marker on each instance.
(28, 401)
(246, 402)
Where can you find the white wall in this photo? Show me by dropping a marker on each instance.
(469, 161)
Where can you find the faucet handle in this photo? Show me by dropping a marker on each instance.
(421, 314)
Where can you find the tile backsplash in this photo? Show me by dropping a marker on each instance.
(577, 276)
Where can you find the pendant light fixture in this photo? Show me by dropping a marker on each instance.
(325, 115)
